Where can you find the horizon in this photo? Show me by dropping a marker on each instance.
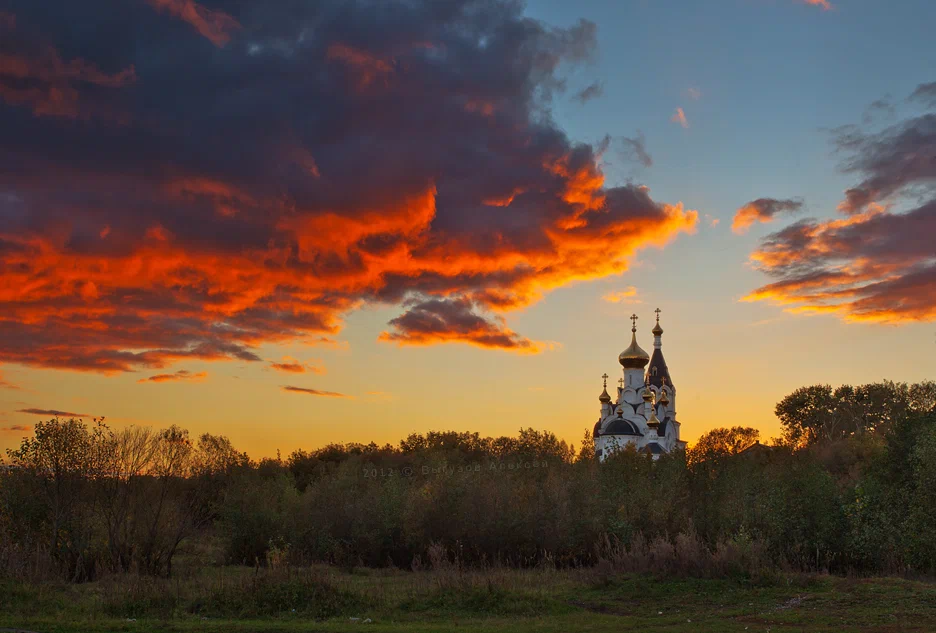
(296, 227)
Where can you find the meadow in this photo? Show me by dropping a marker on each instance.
(329, 599)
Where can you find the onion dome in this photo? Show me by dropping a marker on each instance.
(664, 399)
(604, 398)
(648, 394)
(654, 421)
(657, 330)
(634, 357)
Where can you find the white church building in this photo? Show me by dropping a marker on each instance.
(644, 413)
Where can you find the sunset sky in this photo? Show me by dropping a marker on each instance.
(295, 223)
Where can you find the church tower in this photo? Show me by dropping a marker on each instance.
(643, 415)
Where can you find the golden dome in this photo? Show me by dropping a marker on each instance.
(634, 357)
(604, 398)
(664, 399)
(647, 394)
(657, 330)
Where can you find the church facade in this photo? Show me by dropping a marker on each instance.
(643, 414)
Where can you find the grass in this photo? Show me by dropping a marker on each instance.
(240, 600)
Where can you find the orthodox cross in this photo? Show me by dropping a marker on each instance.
(633, 319)
(605, 378)
(621, 383)
(658, 311)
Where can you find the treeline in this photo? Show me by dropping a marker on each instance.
(849, 487)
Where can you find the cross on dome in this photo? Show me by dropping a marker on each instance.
(633, 319)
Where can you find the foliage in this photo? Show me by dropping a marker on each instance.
(850, 488)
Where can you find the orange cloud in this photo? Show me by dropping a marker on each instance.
(680, 117)
(824, 4)
(292, 366)
(314, 392)
(216, 26)
(180, 375)
(762, 210)
(628, 295)
(254, 219)
(16, 428)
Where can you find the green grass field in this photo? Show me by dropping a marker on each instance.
(325, 599)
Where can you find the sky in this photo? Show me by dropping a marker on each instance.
(296, 223)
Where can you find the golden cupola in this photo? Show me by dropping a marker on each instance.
(634, 357)
(604, 398)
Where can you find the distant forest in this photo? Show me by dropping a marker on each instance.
(849, 487)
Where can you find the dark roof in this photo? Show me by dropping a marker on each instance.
(653, 448)
(656, 378)
(620, 426)
(661, 430)
(597, 430)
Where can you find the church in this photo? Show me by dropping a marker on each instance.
(644, 413)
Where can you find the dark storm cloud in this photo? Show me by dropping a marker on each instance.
(189, 180)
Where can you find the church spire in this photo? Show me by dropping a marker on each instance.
(657, 372)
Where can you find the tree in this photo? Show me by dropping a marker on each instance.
(722, 441)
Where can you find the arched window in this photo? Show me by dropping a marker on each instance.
(654, 370)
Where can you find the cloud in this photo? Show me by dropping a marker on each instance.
(592, 91)
(292, 366)
(4, 384)
(628, 295)
(258, 192)
(181, 375)
(439, 320)
(680, 117)
(763, 210)
(53, 413)
(694, 93)
(825, 5)
(34, 75)
(879, 109)
(871, 263)
(712, 220)
(16, 428)
(216, 26)
(637, 149)
(926, 94)
(314, 392)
